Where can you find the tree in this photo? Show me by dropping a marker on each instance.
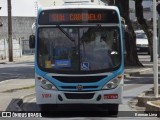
(10, 47)
(130, 37)
(144, 26)
(123, 5)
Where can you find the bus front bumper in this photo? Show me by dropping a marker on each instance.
(113, 96)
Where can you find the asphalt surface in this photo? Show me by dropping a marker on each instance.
(133, 85)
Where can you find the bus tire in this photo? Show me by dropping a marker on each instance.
(113, 109)
(47, 107)
(43, 107)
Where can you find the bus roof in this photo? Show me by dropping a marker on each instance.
(77, 6)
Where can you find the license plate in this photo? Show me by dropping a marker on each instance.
(111, 96)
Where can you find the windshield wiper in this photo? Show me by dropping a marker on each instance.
(96, 28)
(89, 32)
(70, 38)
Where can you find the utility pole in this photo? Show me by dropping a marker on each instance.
(158, 10)
(155, 49)
(10, 47)
(1, 24)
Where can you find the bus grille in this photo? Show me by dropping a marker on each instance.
(79, 79)
(79, 96)
(74, 87)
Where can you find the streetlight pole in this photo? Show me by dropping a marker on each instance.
(155, 49)
(10, 47)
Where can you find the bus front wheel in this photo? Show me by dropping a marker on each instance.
(113, 109)
(47, 107)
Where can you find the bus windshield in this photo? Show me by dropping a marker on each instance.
(79, 49)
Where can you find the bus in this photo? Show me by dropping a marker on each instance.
(79, 56)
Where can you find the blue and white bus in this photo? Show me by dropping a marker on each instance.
(79, 56)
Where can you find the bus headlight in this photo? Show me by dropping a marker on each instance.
(112, 83)
(45, 84)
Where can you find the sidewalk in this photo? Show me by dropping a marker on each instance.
(148, 67)
(15, 88)
(24, 58)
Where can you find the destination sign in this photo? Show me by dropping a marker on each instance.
(76, 17)
(73, 16)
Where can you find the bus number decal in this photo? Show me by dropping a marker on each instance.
(111, 96)
(46, 95)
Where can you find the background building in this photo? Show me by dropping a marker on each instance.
(21, 30)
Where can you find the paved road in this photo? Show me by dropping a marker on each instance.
(130, 91)
(16, 71)
(132, 87)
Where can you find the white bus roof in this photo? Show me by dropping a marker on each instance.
(83, 2)
(93, 6)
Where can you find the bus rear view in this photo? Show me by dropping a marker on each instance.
(78, 56)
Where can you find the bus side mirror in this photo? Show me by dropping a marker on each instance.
(125, 27)
(158, 8)
(32, 41)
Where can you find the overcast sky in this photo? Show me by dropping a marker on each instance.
(24, 7)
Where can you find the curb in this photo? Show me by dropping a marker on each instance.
(3, 62)
(23, 58)
(152, 107)
(142, 100)
(133, 73)
(146, 96)
(17, 103)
